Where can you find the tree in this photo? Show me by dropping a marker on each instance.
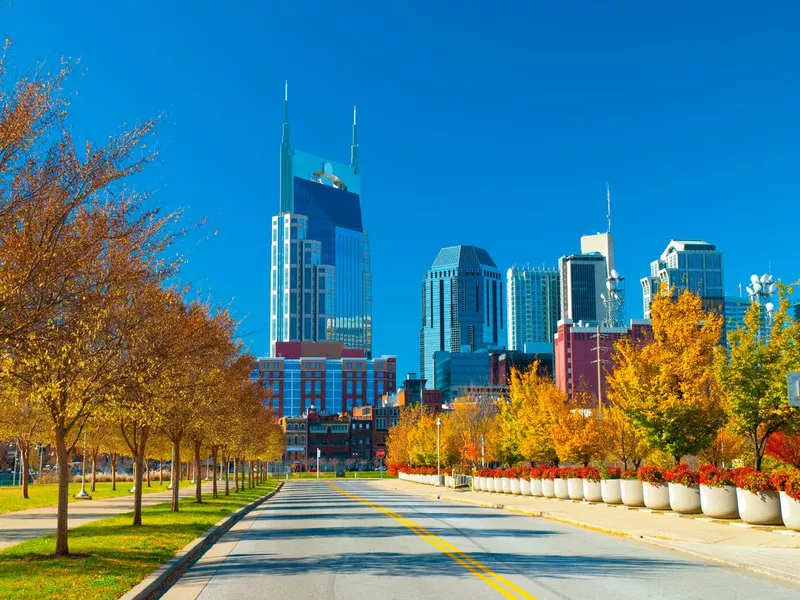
(620, 439)
(21, 421)
(786, 448)
(752, 375)
(398, 441)
(535, 396)
(666, 385)
(465, 428)
(726, 448)
(576, 429)
(422, 440)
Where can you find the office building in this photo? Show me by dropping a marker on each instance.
(502, 363)
(325, 375)
(456, 373)
(383, 418)
(736, 308)
(600, 243)
(583, 280)
(582, 361)
(692, 265)
(295, 430)
(462, 306)
(534, 305)
(413, 392)
(320, 280)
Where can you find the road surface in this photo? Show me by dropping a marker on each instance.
(349, 540)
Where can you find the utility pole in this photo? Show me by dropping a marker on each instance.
(599, 376)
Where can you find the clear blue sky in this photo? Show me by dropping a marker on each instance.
(496, 125)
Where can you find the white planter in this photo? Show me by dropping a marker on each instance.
(684, 499)
(525, 487)
(760, 508)
(719, 502)
(515, 489)
(505, 482)
(561, 488)
(575, 488)
(536, 487)
(548, 488)
(592, 491)
(498, 486)
(476, 483)
(632, 494)
(490, 484)
(448, 481)
(656, 497)
(790, 509)
(611, 491)
(484, 484)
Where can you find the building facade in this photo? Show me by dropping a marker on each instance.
(324, 375)
(502, 363)
(583, 355)
(462, 306)
(692, 265)
(603, 244)
(736, 308)
(534, 305)
(583, 280)
(320, 277)
(295, 430)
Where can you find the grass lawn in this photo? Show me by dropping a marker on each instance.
(332, 475)
(46, 494)
(119, 555)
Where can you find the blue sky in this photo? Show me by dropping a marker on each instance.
(496, 125)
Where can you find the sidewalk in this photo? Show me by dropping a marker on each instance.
(23, 525)
(766, 550)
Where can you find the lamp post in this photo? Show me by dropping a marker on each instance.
(438, 453)
(761, 290)
(483, 462)
(82, 495)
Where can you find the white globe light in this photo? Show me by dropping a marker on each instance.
(756, 287)
(770, 307)
(764, 278)
(754, 278)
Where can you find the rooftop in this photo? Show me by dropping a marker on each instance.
(456, 256)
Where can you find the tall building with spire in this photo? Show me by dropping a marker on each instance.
(320, 281)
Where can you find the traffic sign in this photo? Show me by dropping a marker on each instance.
(381, 453)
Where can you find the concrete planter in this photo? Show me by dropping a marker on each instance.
(592, 491)
(536, 487)
(548, 488)
(611, 490)
(488, 484)
(476, 483)
(719, 502)
(561, 488)
(515, 489)
(632, 493)
(790, 509)
(505, 484)
(684, 499)
(525, 487)
(575, 488)
(759, 508)
(448, 481)
(497, 486)
(656, 497)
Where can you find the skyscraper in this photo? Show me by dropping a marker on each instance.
(692, 265)
(320, 281)
(462, 306)
(583, 280)
(602, 243)
(534, 305)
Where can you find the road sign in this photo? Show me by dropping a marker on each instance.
(381, 453)
(794, 388)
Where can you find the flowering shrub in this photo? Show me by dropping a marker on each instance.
(611, 472)
(512, 473)
(651, 474)
(714, 476)
(570, 473)
(535, 473)
(749, 479)
(629, 474)
(682, 474)
(778, 480)
(550, 473)
(424, 470)
(792, 485)
(525, 473)
(590, 473)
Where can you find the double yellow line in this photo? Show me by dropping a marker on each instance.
(481, 571)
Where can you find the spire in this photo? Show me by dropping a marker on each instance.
(285, 137)
(287, 193)
(608, 198)
(354, 146)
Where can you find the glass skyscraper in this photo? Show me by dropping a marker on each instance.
(692, 265)
(320, 281)
(534, 305)
(462, 306)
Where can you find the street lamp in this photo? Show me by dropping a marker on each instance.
(761, 290)
(438, 454)
(82, 495)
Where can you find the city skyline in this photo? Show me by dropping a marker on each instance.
(512, 154)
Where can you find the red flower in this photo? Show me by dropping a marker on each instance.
(651, 474)
(715, 477)
(512, 473)
(535, 473)
(590, 473)
(749, 479)
(612, 473)
(629, 474)
(778, 480)
(792, 485)
(682, 474)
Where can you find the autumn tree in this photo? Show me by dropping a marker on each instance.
(466, 427)
(620, 439)
(752, 375)
(666, 385)
(22, 421)
(397, 443)
(526, 420)
(577, 430)
(727, 447)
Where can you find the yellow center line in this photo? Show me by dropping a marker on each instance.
(478, 569)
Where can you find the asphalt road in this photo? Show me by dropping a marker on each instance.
(356, 541)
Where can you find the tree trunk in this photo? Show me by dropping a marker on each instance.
(114, 471)
(227, 480)
(137, 487)
(24, 450)
(198, 494)
(214, 476)
(62, 543)
(176, 480)
(94, 470)
(147, 466)
(236, 474)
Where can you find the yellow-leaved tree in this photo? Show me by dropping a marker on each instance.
(576, 428)
(534, 395)
(620, 439)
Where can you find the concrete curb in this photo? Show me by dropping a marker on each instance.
(666, 543)
(159, 580)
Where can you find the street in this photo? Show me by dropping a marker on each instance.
(357, 540)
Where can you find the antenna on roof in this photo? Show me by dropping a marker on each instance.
(608, 197)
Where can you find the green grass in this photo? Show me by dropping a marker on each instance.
(118, 556)
(332, 475)
(46, 494)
